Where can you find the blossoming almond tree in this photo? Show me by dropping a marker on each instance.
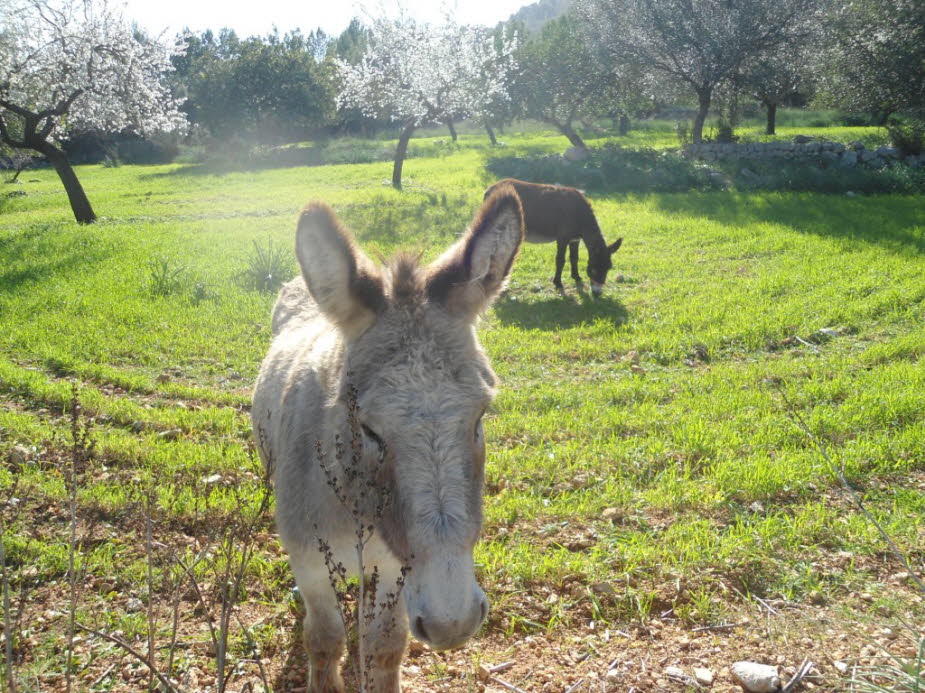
(72, 65)
(418, 74)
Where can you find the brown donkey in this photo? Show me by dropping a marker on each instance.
(561, 214)
(401, 338)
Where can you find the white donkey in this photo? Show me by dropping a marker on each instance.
(403, 336)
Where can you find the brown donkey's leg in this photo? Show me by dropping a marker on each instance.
(560, 263)
(573, 259)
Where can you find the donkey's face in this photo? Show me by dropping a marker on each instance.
(423, 385)
(599, 265)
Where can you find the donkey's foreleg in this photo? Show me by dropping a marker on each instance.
(386, 638)
(573, 259)
(323, 628)
(560, 263)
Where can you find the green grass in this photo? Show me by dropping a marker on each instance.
(662, 401)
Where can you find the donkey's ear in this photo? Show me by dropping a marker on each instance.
(615, 246)
(342, 280)
(468, 276)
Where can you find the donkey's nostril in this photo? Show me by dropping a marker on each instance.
(419, 624)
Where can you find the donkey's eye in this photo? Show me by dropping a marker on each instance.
(371, 434)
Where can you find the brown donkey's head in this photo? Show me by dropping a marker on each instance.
(599, 264)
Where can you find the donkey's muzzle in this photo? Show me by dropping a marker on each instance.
(444, 629)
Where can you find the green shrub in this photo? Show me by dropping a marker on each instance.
(609, 168)
(267, 267)
(907, 135)
(614, 169)
(165, 277)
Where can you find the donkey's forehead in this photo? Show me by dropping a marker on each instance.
(421, 347)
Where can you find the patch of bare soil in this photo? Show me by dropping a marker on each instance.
(659, 654)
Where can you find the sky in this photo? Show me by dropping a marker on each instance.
(248, 17)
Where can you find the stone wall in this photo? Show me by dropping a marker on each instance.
(803, 148)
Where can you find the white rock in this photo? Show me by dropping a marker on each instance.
(19, 454)
(575, 154)
(756, 678)
(840, 666)
(703, 676)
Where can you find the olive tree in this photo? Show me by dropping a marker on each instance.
(696, 43)
(422, 74)
(875, 59)
(70, 66)
(559, 73)
(772, 79)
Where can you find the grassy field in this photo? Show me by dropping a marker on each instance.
(645, 475)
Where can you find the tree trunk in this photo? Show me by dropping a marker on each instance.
(573, 137)
(491, 134)
(703, 99)
(400, 152)
(449, 125)
(624, 125)
(772, 118)
(80, 205)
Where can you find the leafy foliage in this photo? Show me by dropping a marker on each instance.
(875, 58)
(559, 74)
(614, 169)
(694, 44)
(907, 134)
(271, 89)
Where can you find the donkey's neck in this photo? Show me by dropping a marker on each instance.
(594, 240)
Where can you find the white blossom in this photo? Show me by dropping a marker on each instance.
(78, 65)
(420, 73)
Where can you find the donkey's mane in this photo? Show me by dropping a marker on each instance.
(406, 278)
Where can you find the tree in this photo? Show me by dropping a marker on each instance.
(875, 61)
(15, 159)
(697, 43)
(775, 78)
(350, 47)
(418, 74)
(494, 63)
(272, 89)
(559, 73)
(67, 66)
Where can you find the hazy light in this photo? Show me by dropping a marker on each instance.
(250, 18)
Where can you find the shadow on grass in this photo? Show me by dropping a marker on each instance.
(560, 312)
(40, 252)
(897, 222)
